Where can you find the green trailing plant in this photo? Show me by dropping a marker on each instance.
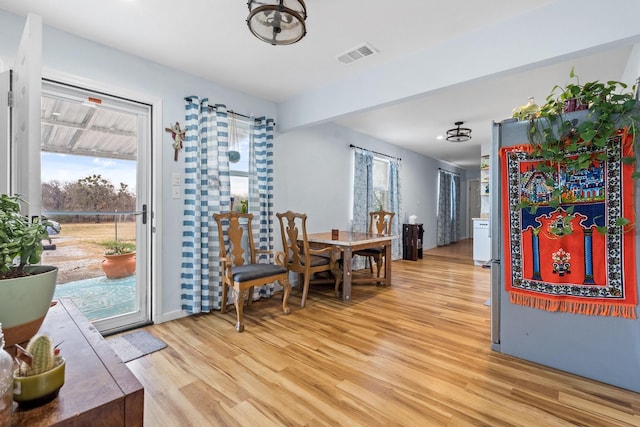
(559, 139)
(42, 355)
(244, 206)
(562, 141)
(20, 238)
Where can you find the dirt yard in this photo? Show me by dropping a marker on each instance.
(79, 248)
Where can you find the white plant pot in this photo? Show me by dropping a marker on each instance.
(25, 301)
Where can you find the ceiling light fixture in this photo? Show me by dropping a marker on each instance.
(278, 22)
(459, 134)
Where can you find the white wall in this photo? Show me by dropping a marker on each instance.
(313, 173)
(632, 70)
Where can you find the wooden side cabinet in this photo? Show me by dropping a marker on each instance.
(412, 235)
(99, 389)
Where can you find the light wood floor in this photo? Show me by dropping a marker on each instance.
(414, 354)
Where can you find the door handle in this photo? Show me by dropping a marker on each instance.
(143, 212)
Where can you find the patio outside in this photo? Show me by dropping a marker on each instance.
(78, 254)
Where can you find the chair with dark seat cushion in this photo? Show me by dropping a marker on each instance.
(240, 270)
(300, 258)
(379, 223)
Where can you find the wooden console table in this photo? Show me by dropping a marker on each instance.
(99, 389)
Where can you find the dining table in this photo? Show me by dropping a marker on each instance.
(350, 241)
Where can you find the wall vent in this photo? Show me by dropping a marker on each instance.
(357, 53)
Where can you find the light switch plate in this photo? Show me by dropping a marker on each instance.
(176, 191)
(176, 178)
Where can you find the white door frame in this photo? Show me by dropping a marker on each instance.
(5, 137)
(155, 168)
(25, 118)
(469, 213)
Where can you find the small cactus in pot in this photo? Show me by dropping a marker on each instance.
(40, 373)
(42, 357)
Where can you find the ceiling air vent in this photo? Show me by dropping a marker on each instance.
(357, 53)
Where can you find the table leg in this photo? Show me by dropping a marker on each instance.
(346, 275)
(387, 264)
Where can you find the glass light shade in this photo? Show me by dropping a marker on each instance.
(278, 22)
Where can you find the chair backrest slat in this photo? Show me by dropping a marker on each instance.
(380, 222)
(232, 227)
(293, 226)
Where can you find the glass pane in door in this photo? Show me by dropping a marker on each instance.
(90, 190)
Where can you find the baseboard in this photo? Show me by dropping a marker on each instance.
(172, 315)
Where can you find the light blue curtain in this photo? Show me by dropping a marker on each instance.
(206, 191)
(363, 199)
(455, 233)
(362, 195)
(395, 205)
(261, 191)
(448, 223)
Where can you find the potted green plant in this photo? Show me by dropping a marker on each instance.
(560, 138)
(610, 107)
(40, 372)
(119, 261)
(26, 290)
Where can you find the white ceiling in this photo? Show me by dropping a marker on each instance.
(181, 35)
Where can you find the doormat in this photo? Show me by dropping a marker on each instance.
(135, 344)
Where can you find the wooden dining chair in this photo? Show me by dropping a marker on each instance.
(379, 223)
(300, 258)
(240, 270)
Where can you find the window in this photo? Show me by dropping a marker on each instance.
(380, 183)
(239, 140)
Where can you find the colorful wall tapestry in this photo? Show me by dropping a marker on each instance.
(558, 257)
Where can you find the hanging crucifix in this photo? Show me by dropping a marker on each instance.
(178, 135)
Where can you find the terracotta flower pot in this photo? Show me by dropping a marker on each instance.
(119, 265)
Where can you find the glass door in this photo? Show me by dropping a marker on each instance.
(95, 176)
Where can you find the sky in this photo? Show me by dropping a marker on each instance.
(69, 168)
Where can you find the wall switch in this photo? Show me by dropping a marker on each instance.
(176, 192)
(176, 178)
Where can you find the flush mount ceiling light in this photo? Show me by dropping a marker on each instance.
(459, 134)
(278, 22)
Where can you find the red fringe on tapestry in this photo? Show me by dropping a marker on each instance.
(574, 307)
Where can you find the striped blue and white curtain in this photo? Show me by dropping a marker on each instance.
(261, 192)
(206, 191)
